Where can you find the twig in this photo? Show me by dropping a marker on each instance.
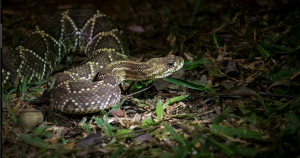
(139, 91)
(230, 95)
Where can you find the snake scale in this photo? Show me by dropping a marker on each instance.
(93, 85)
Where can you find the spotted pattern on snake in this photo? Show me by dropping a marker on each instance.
(93, 86)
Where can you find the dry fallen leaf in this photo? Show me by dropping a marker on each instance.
(231, 67)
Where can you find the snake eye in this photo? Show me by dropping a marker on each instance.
(170, 64)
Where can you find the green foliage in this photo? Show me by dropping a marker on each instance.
(9, 109)
(105, 126)
(159, 110)
(85, 126)
(114, 108)
(189, 65)
(264, 53)
(174, 134)
(225, 149)
(24, 87)
(216, 40)
(221, 117)
(262, 102)
(41, 131)
(33, 140)
(15, 37)
(174, 100)
(239, 132)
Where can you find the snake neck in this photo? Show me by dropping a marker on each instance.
(140, 71)
(127, 70)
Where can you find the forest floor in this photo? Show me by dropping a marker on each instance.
(237, 94)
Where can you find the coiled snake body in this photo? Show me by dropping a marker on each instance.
(94, 85)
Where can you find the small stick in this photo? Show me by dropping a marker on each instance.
(139, 91)
(230, 95)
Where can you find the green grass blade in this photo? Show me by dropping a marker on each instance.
(221, 117)
(177, 137)
(9, 109)
(174, 100)
(264, 53)
(215, 37)
(159, 110)
(24, 87)
(118, 106)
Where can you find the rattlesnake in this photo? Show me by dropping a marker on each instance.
(94, 85)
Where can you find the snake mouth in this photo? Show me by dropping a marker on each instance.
(180, 64)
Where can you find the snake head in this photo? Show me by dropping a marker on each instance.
(167, 65)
